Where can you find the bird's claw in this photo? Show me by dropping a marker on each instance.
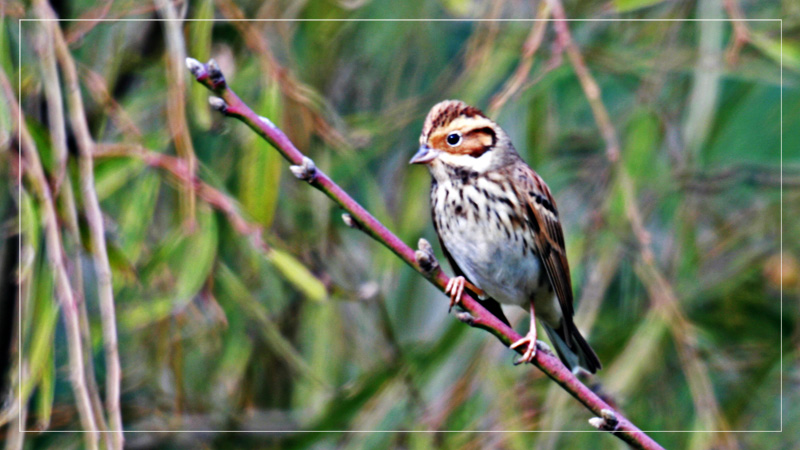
(530, 352)
(455, 287)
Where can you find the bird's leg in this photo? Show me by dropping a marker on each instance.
(478, 291)
(455, 287)
(529, 339)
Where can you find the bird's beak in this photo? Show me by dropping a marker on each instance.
(424, 155)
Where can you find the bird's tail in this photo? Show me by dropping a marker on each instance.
(573, 348)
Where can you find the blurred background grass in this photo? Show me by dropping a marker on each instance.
(326, 329)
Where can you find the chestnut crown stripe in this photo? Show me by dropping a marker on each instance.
(477, 130)
(445, 112)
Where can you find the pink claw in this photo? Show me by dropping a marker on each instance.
(455, 287)
(530, 352)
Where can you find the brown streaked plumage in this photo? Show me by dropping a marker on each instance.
(498, 226)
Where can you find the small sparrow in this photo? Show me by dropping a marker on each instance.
(499, 227)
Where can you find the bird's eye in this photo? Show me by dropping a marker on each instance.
(453, 139)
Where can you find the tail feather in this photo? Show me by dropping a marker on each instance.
(572, 348)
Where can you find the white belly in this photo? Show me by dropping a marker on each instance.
(501, 263)
(494, 264)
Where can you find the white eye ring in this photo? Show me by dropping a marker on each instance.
(453, 139)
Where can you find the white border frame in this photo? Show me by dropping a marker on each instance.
(728, 20)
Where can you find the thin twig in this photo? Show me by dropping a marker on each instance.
(757, 176)
(222, 202)
(94, 217)
(741, 34)
(707, 77)
(289, 85)
(55, 107)
(520, 76)
(661, 292)
(58, 138)
(587, 81)
(88, 21)
(55, 253)
(177, 168)
(665, 300)
(15, 439)
(176, 113)
(230, 105)
(98, 89)
(481, 43)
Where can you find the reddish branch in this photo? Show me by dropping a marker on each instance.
(177, 167)
(231, 105)
(741, 34)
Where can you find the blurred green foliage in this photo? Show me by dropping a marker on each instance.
(327, 330)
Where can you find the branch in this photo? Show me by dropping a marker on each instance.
(94, 217)
(518, 79)
(587, 81)
(63, 190)
(176, 113)
(97, 88)
(177, 168)
(741, 34)
(756, 176)
(55, 254)
(290, 86)
(662, 294)
(593, 94)
(231, 105)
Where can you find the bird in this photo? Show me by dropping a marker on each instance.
(499, 227)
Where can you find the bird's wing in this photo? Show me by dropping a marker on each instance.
(489, 303)
(540, 211)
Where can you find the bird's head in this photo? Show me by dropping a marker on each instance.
(460, 136)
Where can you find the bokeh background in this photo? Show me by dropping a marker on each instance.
(674, 244)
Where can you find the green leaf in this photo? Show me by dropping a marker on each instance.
(114, 174)
(135, 218)
(347, 403)
(232, 287)
(632, 5)
(747, 126)
(298, 275)
(29, 227)
(616, 215)
(319, 338)
(261, 165)
(5, 61)
(232, 366)
(146, 312)
(41, 138)
(123, 268)
(199, 43)
(772, 48)
(185, 260)
(46, 392)
(192, 261)
(460, 8)
(640, 153)
(40, 321)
